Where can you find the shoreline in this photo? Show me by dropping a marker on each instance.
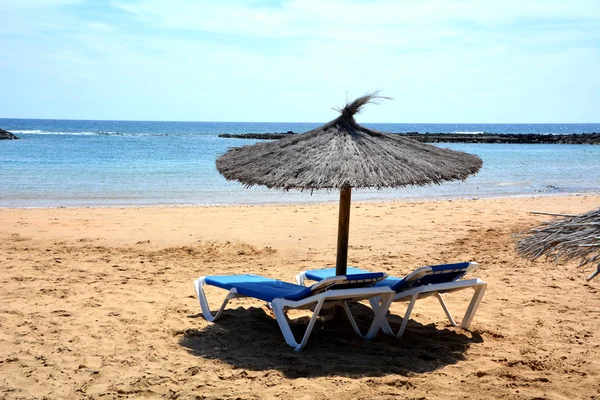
(299, 203)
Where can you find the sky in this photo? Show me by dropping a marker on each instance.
(441, 61)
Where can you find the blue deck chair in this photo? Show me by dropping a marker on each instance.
(283, 296)
(423, 282)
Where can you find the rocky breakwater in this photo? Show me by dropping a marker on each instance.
(524, 138)
(521, 138)
(263, 136)
(7, 135)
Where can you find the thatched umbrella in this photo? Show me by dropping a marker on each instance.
(341, 155)
(570, 237)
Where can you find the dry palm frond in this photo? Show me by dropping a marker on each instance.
(573, 237)
(354, 107)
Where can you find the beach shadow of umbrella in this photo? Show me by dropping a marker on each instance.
(249, 338)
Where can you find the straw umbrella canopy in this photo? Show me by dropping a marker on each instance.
(569, 237)
(343, 155)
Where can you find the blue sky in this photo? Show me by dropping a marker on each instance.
(511, 61)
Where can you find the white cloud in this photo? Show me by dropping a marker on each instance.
(71, 57)
(299, 18)
(98, 26)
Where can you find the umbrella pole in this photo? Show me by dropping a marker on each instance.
(343, 231)
(341, 262)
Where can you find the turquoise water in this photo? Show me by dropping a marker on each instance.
(115, 163)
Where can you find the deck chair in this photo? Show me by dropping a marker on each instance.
(283, 296)
(423, 282)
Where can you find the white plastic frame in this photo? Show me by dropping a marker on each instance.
(383, 296)
(412, 295)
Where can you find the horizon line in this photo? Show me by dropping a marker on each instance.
(298, 122)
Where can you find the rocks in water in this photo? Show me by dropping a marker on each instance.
(7, 135)
(265, 136)
(525, 138)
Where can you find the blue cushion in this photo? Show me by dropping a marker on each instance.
(320, 274)
(259, 287)
(229, 281)
(391, 282)
(267, 289)
(441, 274)
(446, 267)
(353, 281)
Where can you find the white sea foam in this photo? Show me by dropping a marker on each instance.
(26, 131)
(514, 183)
(85, 133)
(468, 133)
(66, 133)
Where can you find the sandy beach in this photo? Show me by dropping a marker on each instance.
(99, 303)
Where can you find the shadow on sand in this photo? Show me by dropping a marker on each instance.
(250, 338)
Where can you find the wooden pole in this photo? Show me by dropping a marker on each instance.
(341, 262)
(343, 231)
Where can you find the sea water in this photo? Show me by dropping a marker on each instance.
(126, 163)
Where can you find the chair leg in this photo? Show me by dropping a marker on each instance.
(379, 309)
(284, 325)
(376, 304)
(470, 313)
(206, 313)
(445, 307)
(475, 300)
(406, 317)
(385, 325)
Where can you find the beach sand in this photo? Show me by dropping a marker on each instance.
(99, 303)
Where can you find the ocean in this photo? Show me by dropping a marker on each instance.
(75, 163)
